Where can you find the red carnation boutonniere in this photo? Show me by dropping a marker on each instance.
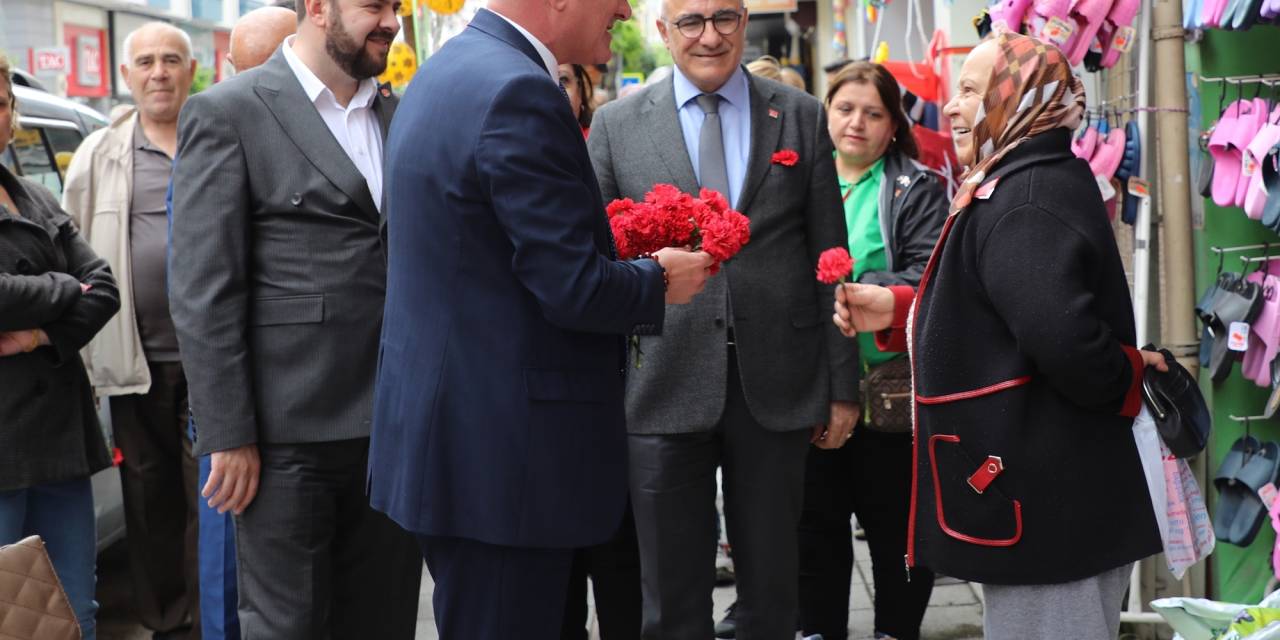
(786, 158)
(834, 265)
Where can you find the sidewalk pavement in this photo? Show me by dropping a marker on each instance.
(955, 611)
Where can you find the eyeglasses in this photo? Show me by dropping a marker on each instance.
(725, 22)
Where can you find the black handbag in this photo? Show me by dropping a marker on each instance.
(1177, 406)
(886, 396)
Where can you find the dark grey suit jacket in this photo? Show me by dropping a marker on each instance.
(276, 272)
(792, 360)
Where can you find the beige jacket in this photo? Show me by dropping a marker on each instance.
(98, 189)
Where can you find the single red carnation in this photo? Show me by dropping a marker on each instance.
(620, 207)
(834, 265)
(785, 157)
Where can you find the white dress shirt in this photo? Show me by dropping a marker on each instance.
(355, 126)
(548, 58)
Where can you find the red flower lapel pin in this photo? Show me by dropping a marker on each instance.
(785, 157)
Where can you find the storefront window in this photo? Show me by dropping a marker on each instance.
(210, 10)
(160, 4)
(249, 5)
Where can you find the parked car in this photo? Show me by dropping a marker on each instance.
(50, 130)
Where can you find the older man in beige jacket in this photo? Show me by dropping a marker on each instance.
(115, 191)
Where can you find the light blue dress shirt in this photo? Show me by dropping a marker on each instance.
(735, 125)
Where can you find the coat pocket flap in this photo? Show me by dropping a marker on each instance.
(985, 517)
(305, 309)
(571, 385)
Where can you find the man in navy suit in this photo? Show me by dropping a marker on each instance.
(498, 431)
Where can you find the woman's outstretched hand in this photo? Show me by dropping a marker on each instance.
(862, 308)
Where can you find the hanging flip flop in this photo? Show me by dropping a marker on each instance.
(1258, 470)
(1226, 155)
(1271, 180)
(1191, 14)
(1133, 155)
(1088, 16)
(1256, 364)
(1106, 159)
(1009, 13)
(1230, 498)
(1247, 128)
(1251, 163)
(1047, 20)
(1084, 145)
(1117, 31)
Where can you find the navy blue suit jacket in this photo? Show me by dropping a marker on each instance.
(498, 412)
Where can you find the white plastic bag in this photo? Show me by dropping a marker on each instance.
(1185, 529)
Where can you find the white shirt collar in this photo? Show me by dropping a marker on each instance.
(734, 89)
(548, 58)
(313, 86)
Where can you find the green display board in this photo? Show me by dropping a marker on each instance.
(1236, 574)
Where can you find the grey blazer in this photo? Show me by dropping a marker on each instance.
(792, 360)
(276, 272)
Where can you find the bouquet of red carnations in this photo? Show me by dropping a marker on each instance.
(669, 217)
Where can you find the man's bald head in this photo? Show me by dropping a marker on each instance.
(257, 34)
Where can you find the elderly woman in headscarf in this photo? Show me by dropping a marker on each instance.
(1026, 377)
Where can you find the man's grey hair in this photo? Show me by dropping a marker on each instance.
(183, 36)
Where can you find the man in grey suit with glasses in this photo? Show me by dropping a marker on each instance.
(277, 279)
(747, 375)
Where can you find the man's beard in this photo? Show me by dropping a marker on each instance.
(351, 55)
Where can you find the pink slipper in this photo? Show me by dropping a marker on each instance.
(1226, 153)
(1264, 332)
(1211, 13)
(1247, 128)
(1084, 146)
(1047, 20)
(1010, 13)
(1106, 159)
(1117, 31)
(1088, 16)
(1255, 197)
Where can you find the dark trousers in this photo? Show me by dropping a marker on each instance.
(673, 491)
(492, 592)
(614, 568)
(314, 561)
(158, 480)
(869, 476)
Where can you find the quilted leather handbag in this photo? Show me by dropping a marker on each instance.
(33, 605)
(886, 396)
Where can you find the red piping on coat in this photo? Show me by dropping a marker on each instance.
(974, 393)
(942, 519)
(915, 407)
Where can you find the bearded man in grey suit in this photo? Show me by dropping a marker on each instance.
(277, 279)
(747, 376)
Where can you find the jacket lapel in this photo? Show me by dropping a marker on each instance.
(384, 106)
(279, 88)
(663, 125)
(765, 130)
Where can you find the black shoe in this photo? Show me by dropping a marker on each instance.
(727, 626)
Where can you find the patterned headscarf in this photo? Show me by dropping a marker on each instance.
(1031, 90)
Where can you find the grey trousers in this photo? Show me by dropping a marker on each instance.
(1086, 609)
(673, 492)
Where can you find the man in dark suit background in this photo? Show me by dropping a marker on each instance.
(498, 422)
(277, 278)
(747, 375)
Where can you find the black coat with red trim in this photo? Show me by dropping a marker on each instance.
(1027, 382)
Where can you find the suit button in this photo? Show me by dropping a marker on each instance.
(24, 267)
(296, 200)
(719, 323)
